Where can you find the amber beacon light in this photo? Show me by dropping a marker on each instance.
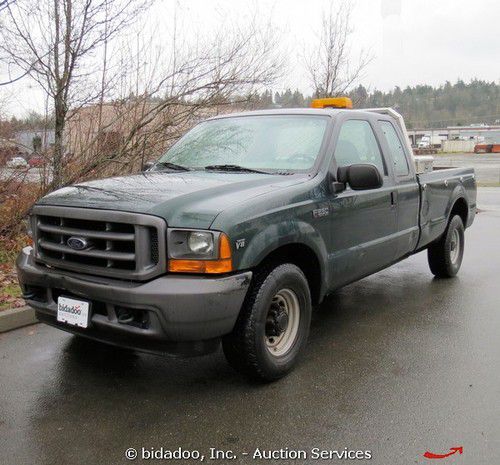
(336, 102)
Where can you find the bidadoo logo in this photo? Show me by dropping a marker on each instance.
(75, 310)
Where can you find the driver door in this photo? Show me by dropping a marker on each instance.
(363, 222)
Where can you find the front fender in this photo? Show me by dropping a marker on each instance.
(283, 233)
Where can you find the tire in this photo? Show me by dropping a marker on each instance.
(264, 344)
(445, 255)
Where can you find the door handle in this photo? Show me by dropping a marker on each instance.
(393, 199)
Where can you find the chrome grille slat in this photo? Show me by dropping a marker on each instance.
(106, 235)
(120, 244)
(108, 255)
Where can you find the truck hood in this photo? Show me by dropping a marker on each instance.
(187, 199)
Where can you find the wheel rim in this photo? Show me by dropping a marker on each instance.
(455, 246)
(282, 322)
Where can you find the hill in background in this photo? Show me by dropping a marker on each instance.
(422, 106)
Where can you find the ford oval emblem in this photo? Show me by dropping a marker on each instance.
(77, 243)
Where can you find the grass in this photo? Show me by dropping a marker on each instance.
(10, 296)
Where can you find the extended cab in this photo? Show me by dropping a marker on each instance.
(240, 228)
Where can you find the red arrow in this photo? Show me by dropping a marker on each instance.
(454, 450)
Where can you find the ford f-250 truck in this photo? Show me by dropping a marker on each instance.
(236, 232)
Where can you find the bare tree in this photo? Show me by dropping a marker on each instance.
(329, 65)
(130, 96)
(53, 42)
(165, 87)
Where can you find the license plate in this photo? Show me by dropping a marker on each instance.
(73, 312)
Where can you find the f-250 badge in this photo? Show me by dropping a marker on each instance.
(319, 212)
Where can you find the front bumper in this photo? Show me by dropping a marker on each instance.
(172, 314)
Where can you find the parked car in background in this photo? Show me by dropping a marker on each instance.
(17, 162)
(37, 161)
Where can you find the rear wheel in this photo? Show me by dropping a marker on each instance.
(273, 325)
(445, 255)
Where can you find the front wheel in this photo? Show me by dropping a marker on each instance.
(273, 325)
(445, 255)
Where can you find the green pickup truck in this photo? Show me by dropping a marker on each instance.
(235, 233)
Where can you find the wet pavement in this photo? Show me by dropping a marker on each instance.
(397, 364)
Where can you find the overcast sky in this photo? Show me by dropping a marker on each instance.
(412, 41)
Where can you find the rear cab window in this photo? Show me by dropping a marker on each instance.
(396, 149)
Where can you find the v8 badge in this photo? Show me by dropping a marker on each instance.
(240, 243)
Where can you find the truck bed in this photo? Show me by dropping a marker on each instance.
(439, 191)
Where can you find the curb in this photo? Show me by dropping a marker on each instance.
(16, 318)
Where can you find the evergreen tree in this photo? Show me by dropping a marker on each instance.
(422, 106)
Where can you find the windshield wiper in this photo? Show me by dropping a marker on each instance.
(234, 168)
(172, 166)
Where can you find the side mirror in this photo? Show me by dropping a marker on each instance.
(147, 165)
(360, 176)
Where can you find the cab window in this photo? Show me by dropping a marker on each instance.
(357, 144)
(396, 148)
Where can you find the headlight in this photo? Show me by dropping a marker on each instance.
(198, 251)
(183, 243)
(201, 242)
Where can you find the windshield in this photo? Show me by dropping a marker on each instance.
(290, 142)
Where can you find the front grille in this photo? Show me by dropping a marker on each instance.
(154, 246)
(116, 244)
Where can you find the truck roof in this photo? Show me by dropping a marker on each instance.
(288, 111)
(313, 111)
